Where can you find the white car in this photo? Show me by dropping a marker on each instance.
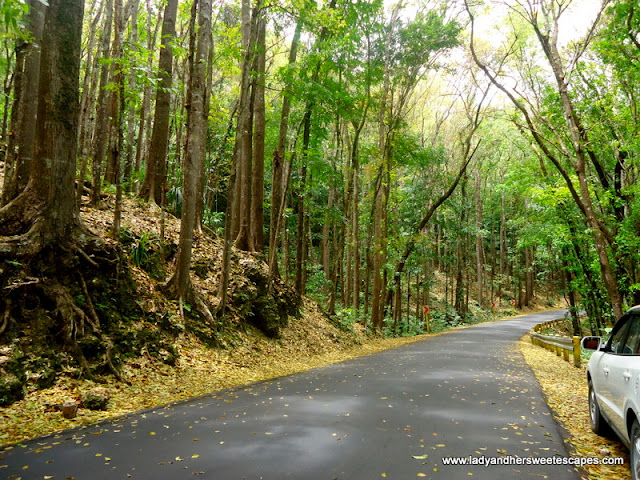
(613, 374)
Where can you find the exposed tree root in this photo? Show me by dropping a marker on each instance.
(55, 270)
(6, 316)
(24, 245)
(193, 298)
(85, 368)
(19, 215)
(93, 317)
(88, 259)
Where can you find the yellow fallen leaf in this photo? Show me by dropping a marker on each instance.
(422, 475)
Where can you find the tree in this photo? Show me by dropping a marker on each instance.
(23, 114)
(180, 286)
(420, 41)
(544, 20)
(155, 176)
(41, 228)
(44, 214)
(102, 108)
(280, 176)
(247, 214)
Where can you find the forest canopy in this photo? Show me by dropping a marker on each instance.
(381, 158)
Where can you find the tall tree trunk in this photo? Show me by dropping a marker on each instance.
(202, 177)
(277, 190)
(23, 122)
(503, 245)
(155, 176)
(571, 295)
(480, 260)
(460, 303)
(145, 119)
(257, 175)
(301, 237)
(131, 114)
(102, 122)
(243, 158)
(118, 109)
(325, 241)
(87, 104)
(529, 275)
(180, 283)
(379, 258)
(46, 209)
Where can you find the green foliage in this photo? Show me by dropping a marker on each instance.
(406, 328)
(145, 251)
(140, 249)
(12, 13)
(214, 220)
(347, 318)
(317, 284)
(426, 34)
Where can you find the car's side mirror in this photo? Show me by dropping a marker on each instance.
(591, 343)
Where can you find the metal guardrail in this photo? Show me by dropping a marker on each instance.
(560, 345)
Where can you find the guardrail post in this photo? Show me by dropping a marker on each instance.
(576, 351)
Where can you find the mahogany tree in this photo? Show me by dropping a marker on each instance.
(180, 286)
(155, 178)
(46, 249)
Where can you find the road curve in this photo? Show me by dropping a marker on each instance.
(392, 415)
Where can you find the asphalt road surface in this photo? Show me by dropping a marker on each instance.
(396, 415)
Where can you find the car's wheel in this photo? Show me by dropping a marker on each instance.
(598, 424)
(634, 450)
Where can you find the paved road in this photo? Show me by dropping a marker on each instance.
(392, 415)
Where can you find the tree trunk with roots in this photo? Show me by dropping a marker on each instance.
(180, 286)
(43, 241)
